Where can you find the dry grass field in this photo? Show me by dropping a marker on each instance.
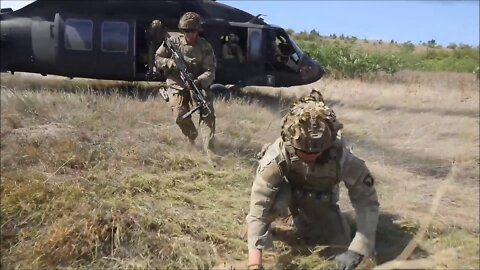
(96, 175)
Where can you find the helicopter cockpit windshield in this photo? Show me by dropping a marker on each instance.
(286, 55)
(296, 48)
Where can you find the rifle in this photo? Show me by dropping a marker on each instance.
(188, 79)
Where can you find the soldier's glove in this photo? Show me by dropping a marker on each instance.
(200, 84)
(171, 64)
(255, 267)
(348, 260)
(191, 62)
(197, 83)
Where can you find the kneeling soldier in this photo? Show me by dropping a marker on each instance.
(300, 173)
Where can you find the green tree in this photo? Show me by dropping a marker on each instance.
(452, 45)
(314, 33)
(432, 43)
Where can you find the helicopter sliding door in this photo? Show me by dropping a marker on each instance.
(97, 47)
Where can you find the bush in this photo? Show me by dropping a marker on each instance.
(343, 61)
(452, 45)
(408, 47)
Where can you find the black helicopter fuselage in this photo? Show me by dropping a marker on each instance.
(105, 39)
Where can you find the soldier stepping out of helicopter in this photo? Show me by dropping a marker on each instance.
(155, 36)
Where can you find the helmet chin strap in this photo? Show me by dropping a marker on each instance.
(327, 138)
(308, 158)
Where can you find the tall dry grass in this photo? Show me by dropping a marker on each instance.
(94, 180)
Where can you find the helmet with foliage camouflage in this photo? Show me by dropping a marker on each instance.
(310, 125)
(156, 24)
(190, 21)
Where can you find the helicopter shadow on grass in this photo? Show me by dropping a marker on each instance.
(391, 239)
(273, 103)
(145, 90)
(136, 90)
(133, 90)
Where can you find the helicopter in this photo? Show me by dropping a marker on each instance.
(105, 39)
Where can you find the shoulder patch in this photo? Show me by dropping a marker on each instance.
(368, 181)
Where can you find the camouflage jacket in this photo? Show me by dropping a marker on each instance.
(279, 163)
(200, 59)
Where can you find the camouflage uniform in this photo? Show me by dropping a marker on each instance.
(154, 36)
(231, 49)
(201, 61)
(311, 192)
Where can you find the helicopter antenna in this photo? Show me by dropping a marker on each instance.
(256, 18)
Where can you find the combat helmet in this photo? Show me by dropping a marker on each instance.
(233, 38)
(310, 125)
(156, 24)
(190, 21)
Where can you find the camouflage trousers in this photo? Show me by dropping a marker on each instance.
(315, 220)
(181, 105)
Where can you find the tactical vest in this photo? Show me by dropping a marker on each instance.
(193, 52)
(323, 176)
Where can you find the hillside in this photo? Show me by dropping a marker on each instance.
(349, 56)
(96, 175)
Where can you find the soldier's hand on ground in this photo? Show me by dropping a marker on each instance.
(348, 260)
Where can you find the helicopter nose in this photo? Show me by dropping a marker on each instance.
(311, 71)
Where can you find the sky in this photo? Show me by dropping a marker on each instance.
(415, 21)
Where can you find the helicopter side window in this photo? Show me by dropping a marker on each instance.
(79, 34)
(254, 44)
(115, 36)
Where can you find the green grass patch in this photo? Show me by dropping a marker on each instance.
(352, 60)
